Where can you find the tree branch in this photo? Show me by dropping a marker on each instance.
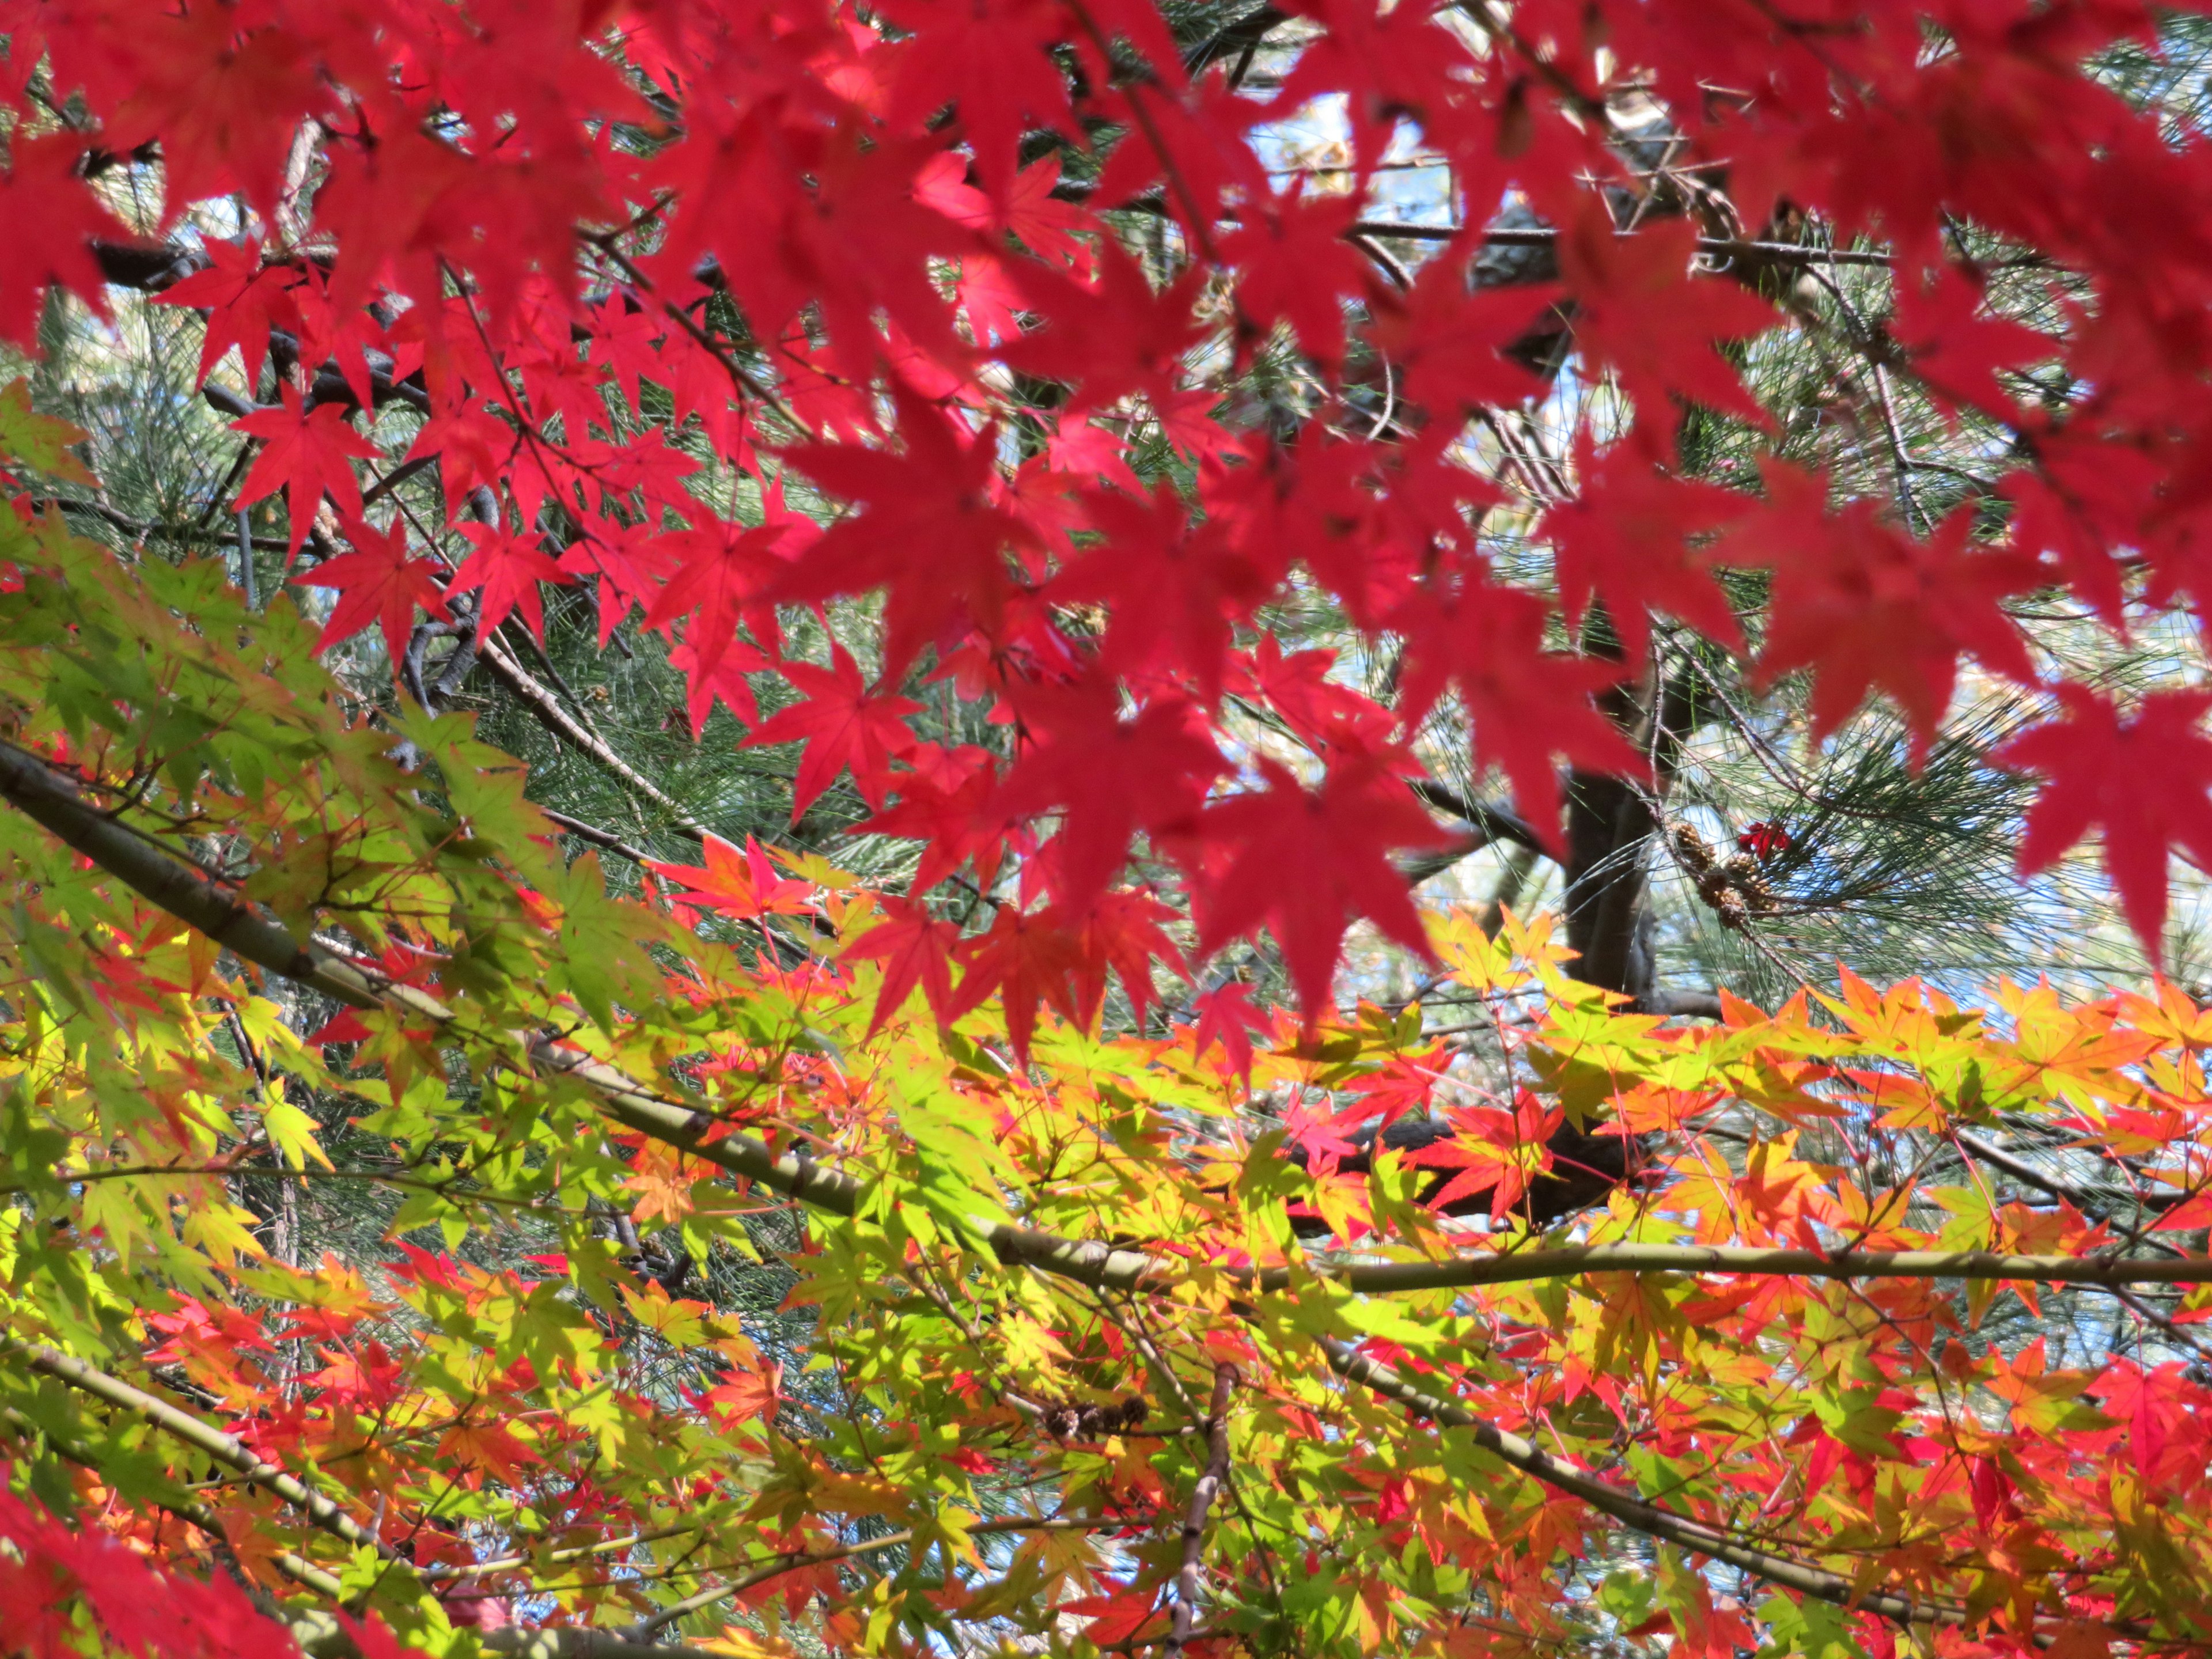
(1629, 1510)
(546, 709)
(1490, 823)
(1210, 1483)
(225, 1450)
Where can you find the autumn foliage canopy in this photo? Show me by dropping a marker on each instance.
(980, 405)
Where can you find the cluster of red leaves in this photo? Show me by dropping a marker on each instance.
(526, 206)
(58, 1584)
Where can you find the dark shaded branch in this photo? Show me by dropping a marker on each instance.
(209, 535)
(1493, 823)
(1680, 1005)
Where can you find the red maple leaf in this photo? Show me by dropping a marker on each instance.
(726, 569)
(1955, 351)
(1125, 932)
(1307, 863)
(1624, 540)
(943, 803)
(989, 59)
(1112, 776)
(916, 949)
(1494, 1152)
(726, 683)
(1174, 589)
(843, 724)
(1293, 266)
(1449, 345)
(1525, 704)
(2145, 779)
(1028, 958)
(1865, 606)
(243, 298)
(1639, 312)
(55, 218)
(1765, 840)
(509, 568)
(1226, 1017)
(305, 452)
(377, 582)
(738, 884)
(928, 529)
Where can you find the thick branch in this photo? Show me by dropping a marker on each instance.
(1580, 1260)
(1490, 823)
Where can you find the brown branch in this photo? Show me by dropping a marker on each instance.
(1210, 1482)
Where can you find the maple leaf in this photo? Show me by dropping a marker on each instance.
(1449, 345)
(41, 440)
(945, 804)
(305, 452)
(1113, 776)
(1495, 1151)
(753, 1390)
(1625, 539)
(1028, 210)
(989, 59)
(509, 568)
(1293, 266)
(1112, 336)
(1307, 863)
(1864, 606)
(929, 530)
(843, 724)
(725, 572)
(1124, 932)
(377, 582)
(738, 884)
(1639, 312)
(244, 299)
(724, 682)
(2145, 779)
(225, 101)
(42, 189)
(1227, 1017)
(1954, 350)
(916, 949)
(1765, 840)
(1028, 958)
(1524, 703)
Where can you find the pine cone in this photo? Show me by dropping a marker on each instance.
(1689, 845)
